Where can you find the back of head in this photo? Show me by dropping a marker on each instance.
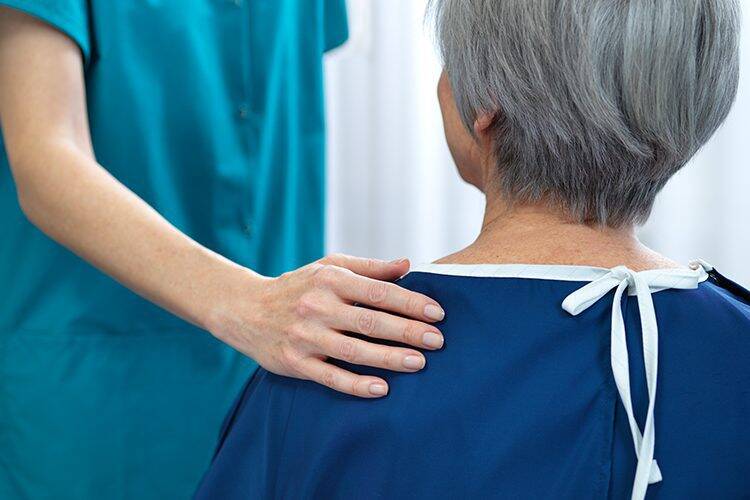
(596, 103)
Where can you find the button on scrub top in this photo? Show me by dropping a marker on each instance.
(211, 111)
(554, 382)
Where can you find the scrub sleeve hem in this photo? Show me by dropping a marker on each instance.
(58, 20)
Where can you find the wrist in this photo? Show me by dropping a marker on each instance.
(231, 303)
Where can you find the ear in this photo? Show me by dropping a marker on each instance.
(482, 126)
(483, 122)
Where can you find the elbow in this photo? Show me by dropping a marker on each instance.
(45, 178)
(27, 193)
(27, 203)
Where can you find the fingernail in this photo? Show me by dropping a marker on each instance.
(432, 340)
(378, 390)
(414, 362)
(434, 312)
(398, 262)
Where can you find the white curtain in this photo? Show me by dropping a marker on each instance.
(393, 190)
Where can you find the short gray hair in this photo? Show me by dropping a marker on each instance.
(597, 103)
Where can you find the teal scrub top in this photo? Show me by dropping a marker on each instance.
(212, 112)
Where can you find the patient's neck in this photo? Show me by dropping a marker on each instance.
(535, 234)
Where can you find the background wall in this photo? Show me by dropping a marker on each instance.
(393, 190)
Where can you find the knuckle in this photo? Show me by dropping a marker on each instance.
(377, 292)
(371, 265)
(328, 379)
(387, 358)
(333, 259)
(311, 271)
(307, 305)
(336, 257)
(355, 385)
(297, 332)
(366, 322)
(318, 340)
(409, 334)
(316, 266)
(290, 358)
(325, 276)
(348, 351)
(414, 305)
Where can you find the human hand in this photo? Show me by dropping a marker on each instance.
(292, 324)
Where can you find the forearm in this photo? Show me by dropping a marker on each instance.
(289, 325)
(72, 199)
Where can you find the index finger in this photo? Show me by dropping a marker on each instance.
(387, 297)
(372, 268)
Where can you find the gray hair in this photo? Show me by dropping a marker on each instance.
(597, 103)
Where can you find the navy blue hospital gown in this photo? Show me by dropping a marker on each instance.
(530, 397)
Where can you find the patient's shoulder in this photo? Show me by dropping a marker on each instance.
(721, 305)
(734, 293)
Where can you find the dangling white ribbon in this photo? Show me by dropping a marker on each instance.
(642, 284)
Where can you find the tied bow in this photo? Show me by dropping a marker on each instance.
(641, 284)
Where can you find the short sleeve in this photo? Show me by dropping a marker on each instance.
(71, 17)
(335, 25)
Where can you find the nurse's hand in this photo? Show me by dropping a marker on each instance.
(290, 325)
(293, 324)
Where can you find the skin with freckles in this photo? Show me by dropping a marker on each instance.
(515, 233)
(290, 325)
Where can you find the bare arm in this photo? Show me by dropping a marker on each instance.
(290, 325)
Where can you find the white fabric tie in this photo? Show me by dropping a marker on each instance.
(641, 284)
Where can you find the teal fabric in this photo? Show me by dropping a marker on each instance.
(211, 111)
